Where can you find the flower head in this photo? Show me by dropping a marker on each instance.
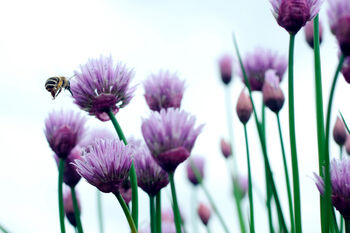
(340, 182)
(163, 90)
(226, 149)
(198, 163)
(204, 213)
(345, 70)
(63, 131)
(339, 132)
(70, 175)
(225, 66)
(69, 208)
(170, 136)
(100, 86)
(150, 176)
(293, 14)
(272, 94)
(244, 107)
(258, 62)
(309, 33)
(106, 164)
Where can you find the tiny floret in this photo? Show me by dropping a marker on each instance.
(101, 86)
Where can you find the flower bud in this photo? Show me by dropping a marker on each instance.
(69, 207)
(339, 132)
(225, 65)
(204, 213)
(272, 93)
(309, 33)
(343, 35)
(225, 148)
(70, 175)
(198, 163)
(244, 107)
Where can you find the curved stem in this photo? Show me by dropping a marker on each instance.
(286, 174)
(3, 229)
(159, 212)
(60, 194)
(250, 186)
(76, 210)
(99, 211)
(126, 212)
(132, 173)
(177, 216)
(152, 214)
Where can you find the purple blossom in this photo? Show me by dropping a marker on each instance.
(170, 136)
(258, 62)
(63, 131)
(163, 90)
(339, 132)
(345, 70)
(309, 33)
(204, 213)
(293, 14)
(150, 176)
(198, 162)
(340, 182)
(70, 175)
(106, 164)
(225, 66)
(126, 191)
(244, 107)
(69, 208)
(101, 86)
(226, 149)
(272, 94)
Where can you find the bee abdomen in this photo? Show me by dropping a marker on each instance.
(51, 83)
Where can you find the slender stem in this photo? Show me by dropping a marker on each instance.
(250, 186)
(286, 174)
(99, 211)
(76, 210)
(3, 229)
(208, 228)
(194, 203)
(210, 199)
(177, 216)
(263, 122)
(132, 173)
(346, 126)
(334, 222)
(126, 212)
(347, 225)
(263, 145)
(230, 126)
(60, 194)
(341, 151)
(152, 214)
(159, 212)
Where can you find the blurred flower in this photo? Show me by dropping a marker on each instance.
(345, 70)
(63, 131)
(293, 14)
(150, 176)
(347, 145)
(125, 191)
(70, 175)
(309, 33)
(170, 136)
(340, 182)
(69, 207)
(241, 183)
(225, 66)
(225, 148)
(339, 132)
(106, 164)
(244, 107)
(198, 163)
(100, 86)
(163, 90)
(272, 94)
(204, 213)
(258, 62)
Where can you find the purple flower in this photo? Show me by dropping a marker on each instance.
(70, 175)
(150, 176)
(258, 62)
(225, 66)
(198, 162)
(339, 132)
(272, 94)
(126, 191)
(100, 86)
(244, 107)
(340, 182)
(106, 164)
(309, 33)
(345, 70)
(170, 136)
(293, 14)
(204, 213)
(241, 183)
(63, 131)
(226, 149)
(69, 208)
(163, 90)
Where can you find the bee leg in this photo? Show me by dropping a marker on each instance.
(59, 91)
(70, 91)
(53, 93)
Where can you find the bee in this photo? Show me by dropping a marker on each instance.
(54, 85)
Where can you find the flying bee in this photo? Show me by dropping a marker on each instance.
(54, 85)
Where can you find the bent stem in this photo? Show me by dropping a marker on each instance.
(159, 212)
(286, 174)
(3, 229)
(176, 211)
(250, 186)
(60, 194)
(76, 210)
(132, 173)
(126, 212)
(99, 211)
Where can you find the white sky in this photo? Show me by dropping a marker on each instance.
(41, 38)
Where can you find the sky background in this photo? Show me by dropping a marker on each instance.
(40, 39)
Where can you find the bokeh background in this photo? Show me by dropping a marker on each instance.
(43, 38)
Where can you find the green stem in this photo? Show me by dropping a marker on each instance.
(126, 212)
(293, 145)
(3, 229)
(286, 174)
(341, 224)
(132, 173)
(152, 214)
(99, 211)
(194, 203)
(230, 126)
(60, 194)
(210, 199)
(341, 151)
(159, 212)
(347, 225)
(177, 216)
(250, 186)
(76, 210)
(334, 222)
(208, 228)
(263, 145)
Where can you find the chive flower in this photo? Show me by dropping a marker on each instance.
(345, 70)
(126, 191)
(244, 107)
(101, 86)
(198, 162)
(339, 132)
(70, 174)
(309, 33)
(170, 136)
(63, 131)
(69, 207)
(204, 213)
(225, 67)
(163, 90)
(273, 96)
(226, 149)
